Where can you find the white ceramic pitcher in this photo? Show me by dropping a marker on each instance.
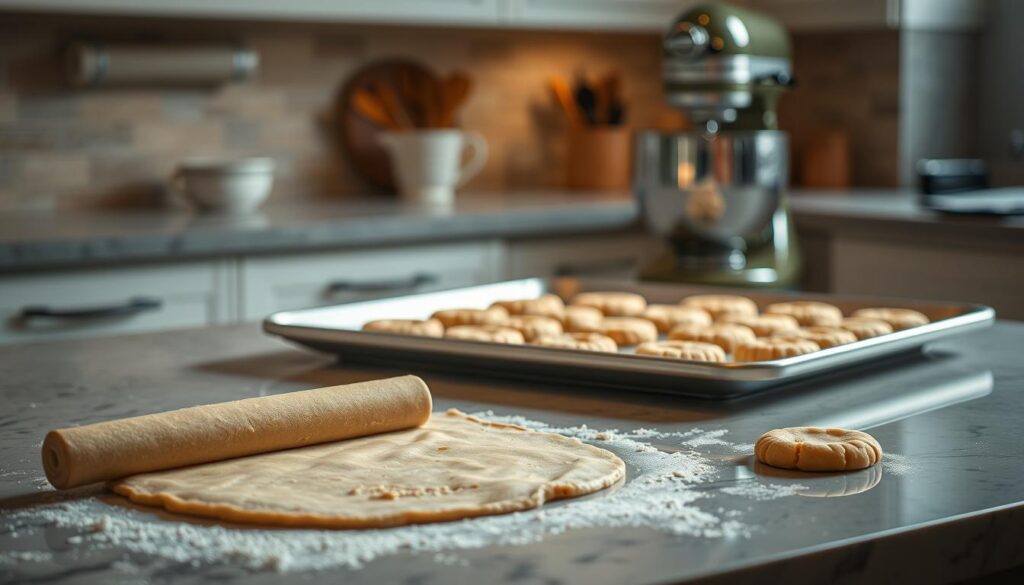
(428, 163)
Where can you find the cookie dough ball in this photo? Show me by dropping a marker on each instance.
(534, 326)
(808, 313)
(817, 449)
(580, 319)
(725, 335)
(665, 317)
(773, 348)
(582, 341)
(488, 333)
(427, 328)
(628, 330)
(453, 317)
(825, 337)
(546, 306)
(696, 351)
(899, 319)
(763, 325)
(865, 328)
(719, 305)
(613, 304)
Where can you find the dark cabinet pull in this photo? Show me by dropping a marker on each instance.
(380, 286)
(595, 267)
(132, 306)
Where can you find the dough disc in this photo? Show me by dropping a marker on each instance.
(455, 466)
(818, 449)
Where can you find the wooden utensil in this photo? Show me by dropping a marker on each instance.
(563, 97)
(388, 97)
(370, 107)
(586, 100)
(454, 91)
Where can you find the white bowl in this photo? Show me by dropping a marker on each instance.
(233, 186)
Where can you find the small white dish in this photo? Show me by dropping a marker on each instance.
(236, 186)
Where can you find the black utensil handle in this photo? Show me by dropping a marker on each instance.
(132, 306)
(415, 281)
(594, 267)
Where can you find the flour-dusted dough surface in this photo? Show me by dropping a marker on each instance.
(455, 466)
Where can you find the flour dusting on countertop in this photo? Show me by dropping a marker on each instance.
(662, 491)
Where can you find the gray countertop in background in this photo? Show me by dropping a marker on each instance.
(31, 240)
(39, 239)
(898, 213)
(951, 505)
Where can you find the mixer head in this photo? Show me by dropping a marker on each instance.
(726, 66)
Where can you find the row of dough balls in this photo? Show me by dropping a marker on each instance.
(545, 321)
(700, 327)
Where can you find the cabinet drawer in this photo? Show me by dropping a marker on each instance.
(282, 283)
(78, 303)
(606, 255)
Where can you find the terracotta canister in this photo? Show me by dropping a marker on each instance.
(600, 158)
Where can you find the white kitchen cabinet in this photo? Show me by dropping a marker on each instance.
(447, 12)
(608, 256)
(649, 15)
(952, 271)
(642, 15)
(79, 303)
(295, 281)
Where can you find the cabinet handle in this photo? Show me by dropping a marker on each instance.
(379, 286)
(132, 306)
(594, 267)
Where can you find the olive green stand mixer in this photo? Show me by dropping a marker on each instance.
(718, 193)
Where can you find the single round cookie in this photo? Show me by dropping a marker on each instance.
(696, 351)
(773, 348)
(628, 330)
(900, 319)
(489, 316)
(534, 326)
(548, 305)
(580, 319)
(489, 333)
(612, 304)
(825, 337)
(665, 317)
(865, 328)
(817, 449)
(719, 305)
(584, 341)
(427, 328)
(724, 335)
(808, 313)
(762, 325)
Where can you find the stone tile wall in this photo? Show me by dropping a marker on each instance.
(68, 147)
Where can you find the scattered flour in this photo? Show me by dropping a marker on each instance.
(895, 463)
(660, 493)
(764, 491)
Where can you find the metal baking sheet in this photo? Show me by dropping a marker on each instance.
(337, 329)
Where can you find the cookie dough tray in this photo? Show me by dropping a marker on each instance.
(337, 329)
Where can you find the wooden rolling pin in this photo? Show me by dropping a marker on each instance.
(201, 434)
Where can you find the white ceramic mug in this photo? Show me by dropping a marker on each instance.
(236, 186)
(428, 163)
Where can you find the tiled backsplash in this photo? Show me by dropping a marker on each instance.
(850, 83)
(75, 147)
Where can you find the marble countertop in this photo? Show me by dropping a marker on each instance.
(947, 505)
(41, 239)
(896, 211)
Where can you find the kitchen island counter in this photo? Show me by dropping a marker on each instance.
(947, 503)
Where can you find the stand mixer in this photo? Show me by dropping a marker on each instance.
(717, 193)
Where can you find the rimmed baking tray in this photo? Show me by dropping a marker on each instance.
(337, 329)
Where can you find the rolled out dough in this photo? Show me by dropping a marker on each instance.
(455, 466)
